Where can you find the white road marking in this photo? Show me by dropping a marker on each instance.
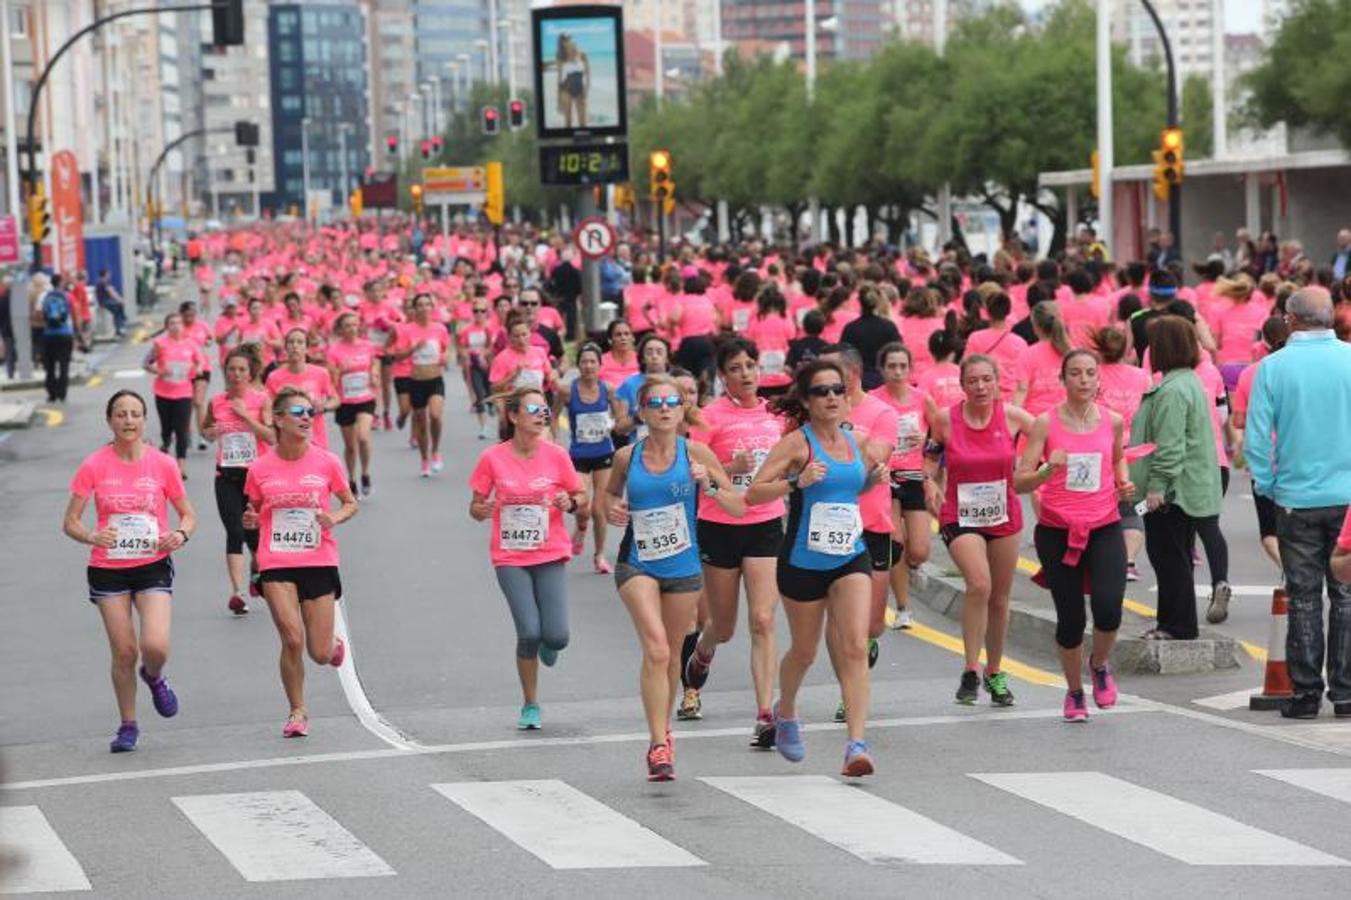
(1173, 827)
(128, 374)
(1238, 590)
(357, 700)
(38, 860)
(280, 836)
(875, 830)
(564, 827)
(1334, 783)
(1005, 715)
(1223, 702)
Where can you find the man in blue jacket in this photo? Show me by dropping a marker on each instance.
(58, 340)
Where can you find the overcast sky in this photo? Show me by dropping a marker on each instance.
(1239, 15)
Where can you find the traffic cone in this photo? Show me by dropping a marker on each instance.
(1276, 686)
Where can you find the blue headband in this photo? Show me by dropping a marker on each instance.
(1163, 291)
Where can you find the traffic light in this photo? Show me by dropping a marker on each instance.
(227, 23)
(659, 174)
(416, 192)
(39, 219)
(516, 114)
(355, 202)
(436, 145)
(491, 125)
(1172, 156)
(392, 144)
(624, 198)
(426, 149)
(1096, 187)
(246, 134)
(1161, 187)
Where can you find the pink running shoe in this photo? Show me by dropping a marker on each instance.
(1104, 687)
(296, 727)
(339, 653)
(1076, 710)
(426, 470)
(603, 566)
(578, 542)
(437, 462)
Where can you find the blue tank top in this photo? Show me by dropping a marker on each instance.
(591, 424)
(825, 529)
(660, 538)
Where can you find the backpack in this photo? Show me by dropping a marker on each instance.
(56, 310)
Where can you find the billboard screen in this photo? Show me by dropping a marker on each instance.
(579, 71)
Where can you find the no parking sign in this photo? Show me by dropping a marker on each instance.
(594, 238)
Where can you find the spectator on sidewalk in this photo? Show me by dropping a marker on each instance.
(7, 327)
(58, 340)
(38, 286)
(1300, 409)
(1341, 260)
(81, 313)
(107, 297)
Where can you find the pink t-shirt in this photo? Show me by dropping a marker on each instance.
(738, 314)
(874, 420)
(912, 425)
(237, 447)
(1237, 326)
(227, 334)
(200, 333)
(427, 342)
(263, 334)
(1006, 347)
(534, 366)
(528, 529)
(613, 372)
(1213, 384)
(354, 362)
(1083, 314)
(475, 340)
(943, 382)
(731, 428)
(1121, 387)
(287, 494)
(771, 335)
(1039, 369)
(550, 318)
(697, 316)
(177, 362)
(915, 331)
(134, 498)
(1243, 390)
(314, 381)
(835, 327)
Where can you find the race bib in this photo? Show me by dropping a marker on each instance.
(772, 361)
(478, 340)
(355, 384)
(740, 319)
(529, 378)
(378, 336)
(743, 480)
(1083, 473)
(834, 528)
(592, 427)
(137, 536)
(909, 436)
(176, 372)
(426, 354)
(982, 505)
(238, 449)
(524, 527)
(232, 338)
(294, 530)
(660, 533)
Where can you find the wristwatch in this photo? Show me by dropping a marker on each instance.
(792, 480)
(711, 490)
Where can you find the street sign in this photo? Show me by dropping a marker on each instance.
(454, 185)
(9, 239)
(594, 238)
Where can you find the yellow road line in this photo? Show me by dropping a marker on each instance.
(1017, 669)
(138, 336)
(94, 381)
(1027, 566)
(1253, 650)
(1140, 609)
(54, 417)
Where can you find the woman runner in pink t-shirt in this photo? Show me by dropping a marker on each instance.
(999, 342)
(354, 366)
(1039, 385)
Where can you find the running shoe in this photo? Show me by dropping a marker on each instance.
(296, 726)
(166, 701)
(763, 738)
(874, 650)
(691, 707)
(603, 566)
(255, 584)
(997, 683)
(578, 542)
(1104, 687)
(529, 720)
(969, 689)
(412, 442)
(237, 605)
(339, 653)
(389, 426)
(904, 620)
(1132, 572)
(1076, 710)
(659, 764)
(125, 742)
(840, 711)
(788, 737)
(377, 425)
(548, 655)
(696, 669)
(352, 486)
(426, 470)
(857, 761)
(438, 463)
(670, 742)
(1218, 610)
(401, 421)
(365, 485)
(201, 444)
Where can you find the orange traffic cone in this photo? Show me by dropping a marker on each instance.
(1276, 686)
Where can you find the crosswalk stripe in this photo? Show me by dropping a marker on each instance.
(280, 836)
(1334, 783)
(35, 861)
(872, 829)
(1223, 702)
(1173, 827)
(563, 826)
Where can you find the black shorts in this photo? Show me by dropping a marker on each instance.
(420, 393)
(587, 464)
(204, 377)
(152, 578)
(805, 585)
(402, 384)
(1266, 515)
(346, 414)
(311, 582)
(910, 493)
(950, 533)
(882, 550)
(723, 545)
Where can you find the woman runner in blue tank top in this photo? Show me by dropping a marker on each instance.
(659, 574)
(824, 568)
(591, 447)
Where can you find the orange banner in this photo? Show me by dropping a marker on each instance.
(67, 213)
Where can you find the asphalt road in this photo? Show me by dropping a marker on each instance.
(414, 781)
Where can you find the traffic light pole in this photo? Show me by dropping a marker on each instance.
(1175, 192)
(155, 229)
(31, 170)
(661, 225)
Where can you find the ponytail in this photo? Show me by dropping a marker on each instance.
(1046, 319)
(1109, 342)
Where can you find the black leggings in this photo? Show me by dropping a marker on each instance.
(230, 503)
(175, 420)
(1212, 539)
(1105, 557)
(478, 382)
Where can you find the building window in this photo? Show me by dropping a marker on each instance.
(286, 23)
(18, 22)
(290, 103)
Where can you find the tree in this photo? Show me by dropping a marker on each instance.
(1302, 80)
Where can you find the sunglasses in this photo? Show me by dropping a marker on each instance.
(529, 303)
(480, 311)
(301, 412)
(536, 409)
(826, 390)
(670, 402)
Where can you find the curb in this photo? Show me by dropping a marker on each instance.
(17, 414)
(1034, 625)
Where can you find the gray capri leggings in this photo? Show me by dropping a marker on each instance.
(538, 598)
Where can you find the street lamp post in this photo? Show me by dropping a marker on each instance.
(485, 49)
(1106, 151)
(305, 163)
(454, 69)
(343, 128)
(505, 26)
(1175, 192)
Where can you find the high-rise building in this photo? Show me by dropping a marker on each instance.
(317, 62)
(772, 22)
(1190, 26)
(234, 88)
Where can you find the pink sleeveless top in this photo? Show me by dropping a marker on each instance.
(980, 476)
(1081, 496)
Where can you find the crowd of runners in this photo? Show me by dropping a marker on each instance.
(797, 424)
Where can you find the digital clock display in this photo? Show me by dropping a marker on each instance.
(584, 164)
